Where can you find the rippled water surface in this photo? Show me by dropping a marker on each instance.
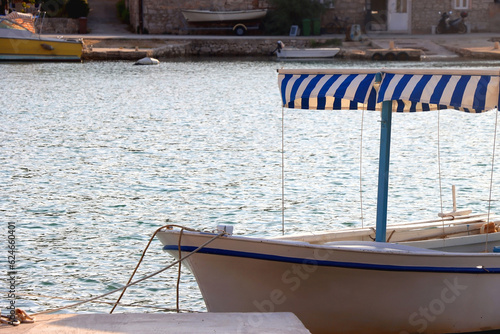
(94, 157)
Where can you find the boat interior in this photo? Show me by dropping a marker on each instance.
(451, 228)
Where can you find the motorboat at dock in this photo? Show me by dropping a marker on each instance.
(20, 42)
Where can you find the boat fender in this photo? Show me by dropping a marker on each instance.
(488, 228)
(403, 56)
(377, 56)
(47, 46)
(390, 56)
(147, 61)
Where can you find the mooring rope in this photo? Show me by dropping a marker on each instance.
(137, 267)
(139, 280)
(134, 304)
(142, 257)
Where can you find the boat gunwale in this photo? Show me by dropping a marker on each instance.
(206, 11)
(303, 244)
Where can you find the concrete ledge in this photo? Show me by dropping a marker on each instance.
(485, 53)
(123, 48)
(149, 323)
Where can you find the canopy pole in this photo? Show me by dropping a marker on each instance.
(383, 171)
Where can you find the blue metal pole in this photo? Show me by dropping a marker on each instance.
(383, 172)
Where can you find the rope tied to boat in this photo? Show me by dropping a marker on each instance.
(16, 318)
(142, 257)
(130, 283)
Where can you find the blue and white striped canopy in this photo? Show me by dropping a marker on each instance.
(410, 90)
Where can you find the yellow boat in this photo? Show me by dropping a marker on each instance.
(19, 42)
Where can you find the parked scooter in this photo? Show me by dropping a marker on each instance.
(447, 25)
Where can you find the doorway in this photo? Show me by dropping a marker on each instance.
(398, 15)
(377, 10)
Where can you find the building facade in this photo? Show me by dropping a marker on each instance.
(395, 16)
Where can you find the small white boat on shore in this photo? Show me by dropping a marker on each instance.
(292, 53)
(221, 16)
(283, 52)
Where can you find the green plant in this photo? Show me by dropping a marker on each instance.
(123, 12)
(27, 5)
(77, 8)
(286, 13)
(53, 8)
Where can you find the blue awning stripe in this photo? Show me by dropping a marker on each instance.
(372, 100)
(480, 92)
(366, 85)
(456, 98)
(419, 87)
(320, 91)
(438, 91)
(401, 85)
(284, 82)
(475, 93)
(387, 80)
(468, 91)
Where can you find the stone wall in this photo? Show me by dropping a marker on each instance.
(482, 13)
(425, 14)
(128, 49)
(344, 13)
(242, 47)
(494, 17)
(165, 16)
(58, 26)
(133, 7)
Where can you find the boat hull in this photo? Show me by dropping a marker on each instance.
(34, 49)
(307, 53)
(223, 16)
(361, 287)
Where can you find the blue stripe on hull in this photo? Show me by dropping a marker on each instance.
(350, 265)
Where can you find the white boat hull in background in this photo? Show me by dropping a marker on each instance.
(220, 16)
(307, 53)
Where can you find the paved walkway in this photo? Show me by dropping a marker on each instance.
(443, 46)
(152, 323)
(103, 18)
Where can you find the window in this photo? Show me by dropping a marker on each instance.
(460, 4)
(401, 6)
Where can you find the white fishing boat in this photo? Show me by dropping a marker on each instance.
(309, 53)
(222, 16)
(343, 281)
(20, 42)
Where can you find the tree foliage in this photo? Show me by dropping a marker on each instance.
(65, 8)
(285, 13)
(77, 8)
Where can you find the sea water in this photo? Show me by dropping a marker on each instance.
(94, 157)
